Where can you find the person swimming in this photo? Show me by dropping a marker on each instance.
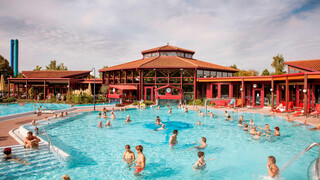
(211, 114)
(8, 156)
(253, 130)
(198, 123)
(276, 131)
(128, 156)
(161, 128)
(203, 143)
(257, 135)
(158, 121)
(246, 127)
(112, 115)
(241, 118)
(186, 110)
(128, 119)
(201, 164)
(228, 118)
(173, 139)
(99, 115)
(105, 115)
(289, 119)
(303, 123)
(100, 124)
(226, 114)
(158, 107)
(240, 124)
(266, 128)
(316, 128)
(108, 123)
(251, 122)
(170, 111)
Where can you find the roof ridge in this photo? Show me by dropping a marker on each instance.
(185, 60)
(215, 64)
(304, 60)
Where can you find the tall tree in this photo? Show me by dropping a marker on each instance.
(265, 72)
(53, 66)
(234, 66)
(38, 68)
(253, 72)
(278, 64)
(5, 68)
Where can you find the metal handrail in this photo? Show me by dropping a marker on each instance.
(317, 169)
(49, 141)
(205, 104)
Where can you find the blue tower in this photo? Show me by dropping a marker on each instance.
(14, 60)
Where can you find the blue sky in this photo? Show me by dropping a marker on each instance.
(93, 33)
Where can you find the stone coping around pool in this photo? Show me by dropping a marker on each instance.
(15, 116)
(20, 133)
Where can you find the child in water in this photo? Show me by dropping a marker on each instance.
(128, 156)
(200, 164)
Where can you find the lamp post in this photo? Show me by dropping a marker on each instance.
(94, 88)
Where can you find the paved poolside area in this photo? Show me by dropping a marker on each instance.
(6, 126)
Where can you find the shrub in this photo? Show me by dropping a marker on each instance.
(31, 93)
(10, 99)
(135, 103)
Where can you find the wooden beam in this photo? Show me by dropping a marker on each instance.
(272, 94)
(305, 97)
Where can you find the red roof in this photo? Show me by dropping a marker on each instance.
(167, 48)
(124, 87)
(53, 74)
(168, 62)
(311, 65)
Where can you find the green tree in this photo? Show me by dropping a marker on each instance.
(5, 68)
(278, 64)
(234, 66)
(265, 72)
(253, 72)
(38, 68)
(53, 66)
(104, 89)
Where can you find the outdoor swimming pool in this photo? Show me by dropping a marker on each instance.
(97, 152)
(27, 107)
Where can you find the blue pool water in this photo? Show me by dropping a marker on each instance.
(97, 152)
(27, 107)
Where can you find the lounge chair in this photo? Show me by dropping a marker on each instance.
(317, 111)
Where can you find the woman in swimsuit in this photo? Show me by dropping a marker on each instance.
(200, 164)
(9, 157)
(100, 124)
(128, 156)
(108, 123)
(128, 119)
(105, 115)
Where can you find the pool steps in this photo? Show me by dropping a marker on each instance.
(42, 160)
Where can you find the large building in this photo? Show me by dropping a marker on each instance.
(170, 72)
(165, 72)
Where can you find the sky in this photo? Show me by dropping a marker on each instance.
(84, 34)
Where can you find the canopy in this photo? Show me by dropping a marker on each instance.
(123, 87)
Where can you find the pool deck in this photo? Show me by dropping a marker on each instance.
(6, 126)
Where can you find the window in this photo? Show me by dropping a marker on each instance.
(180, 54)
(298, 71)
(291, 71)
(147, 55)
(206, 73)
(155, 54)
(213, 73)
(162, 53)
(200, 73)
(188, 55)
(219, 74)
(225, 74)
(229, 74)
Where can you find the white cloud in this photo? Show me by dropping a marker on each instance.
(85, 34)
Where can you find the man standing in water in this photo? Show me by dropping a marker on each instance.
(273, 169)
(141, 160)
(173, 139)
